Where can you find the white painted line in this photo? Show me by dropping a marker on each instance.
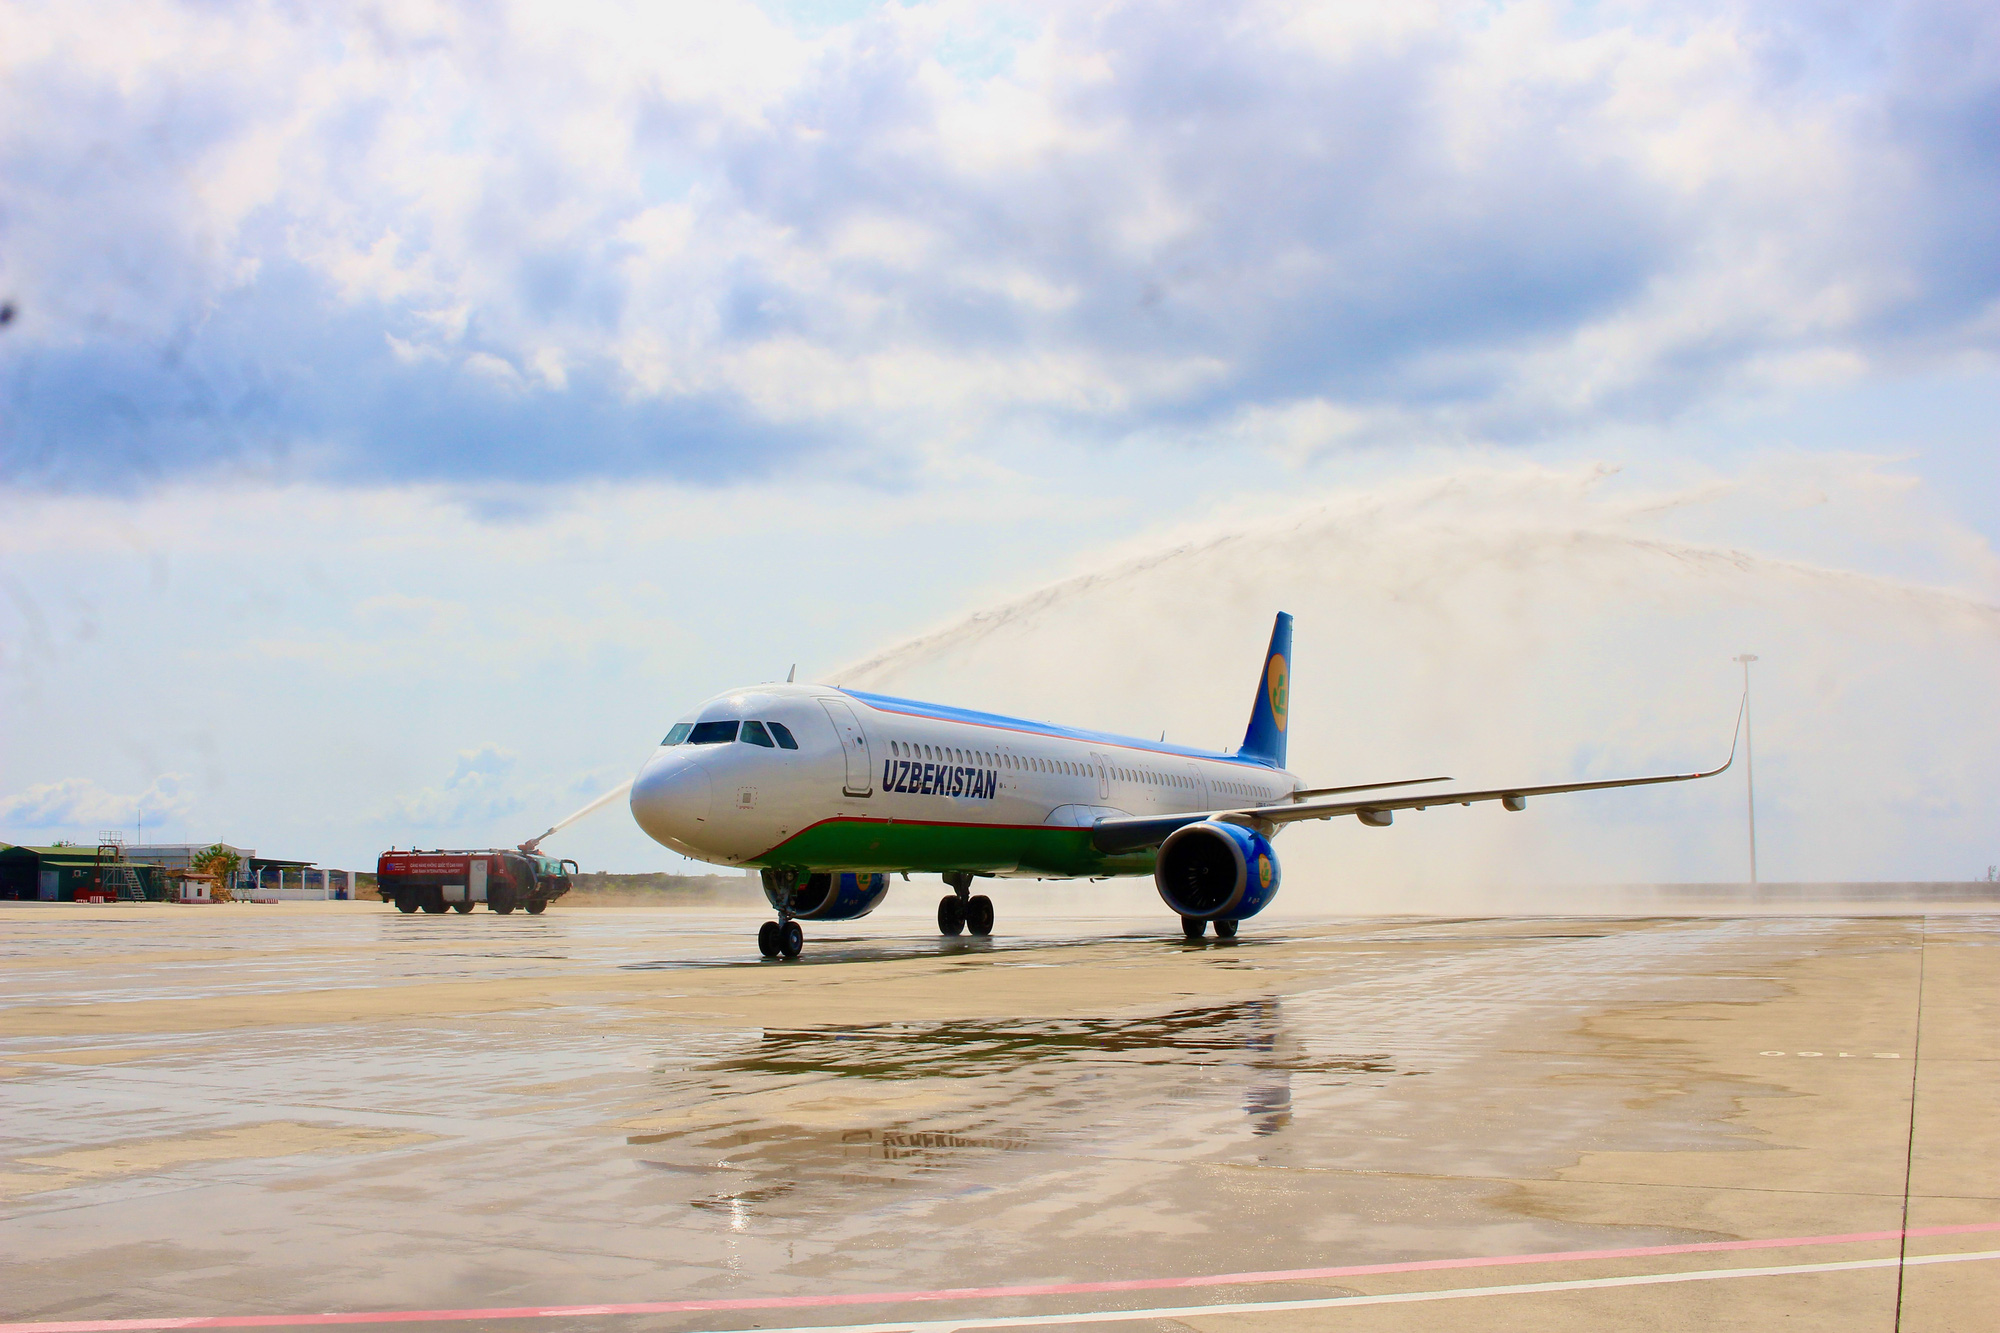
(1390, 1298)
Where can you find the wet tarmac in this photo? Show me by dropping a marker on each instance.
(280, 1110)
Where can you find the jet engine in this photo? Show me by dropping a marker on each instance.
(1215, 871)
(846, 896)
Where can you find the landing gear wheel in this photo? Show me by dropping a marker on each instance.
(1225, 930)
(951, 915)
(979, 914)
(767, 938)
(461, 908)
(406, 903)
(537, 906)
(791, 939)
(1193, 927)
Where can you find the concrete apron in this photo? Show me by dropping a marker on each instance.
(236, 1116)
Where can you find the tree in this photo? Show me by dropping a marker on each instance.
(220, 862)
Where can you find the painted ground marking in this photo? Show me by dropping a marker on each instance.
(1080, 1288)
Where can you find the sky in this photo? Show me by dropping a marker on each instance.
(407, 410)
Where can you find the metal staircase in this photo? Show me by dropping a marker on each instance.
(114, 872)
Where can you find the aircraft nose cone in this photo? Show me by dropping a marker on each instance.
(670, 800)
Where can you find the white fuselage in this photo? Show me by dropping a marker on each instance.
(879, 784)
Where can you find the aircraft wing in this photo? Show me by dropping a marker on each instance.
(1131, 833)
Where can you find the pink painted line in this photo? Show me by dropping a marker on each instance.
(970, 1293)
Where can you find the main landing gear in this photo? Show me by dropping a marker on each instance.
(780, 937)
(963, 909)
(1195, 927)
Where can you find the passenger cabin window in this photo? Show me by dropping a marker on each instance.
(784, 735)
(754, 733)
(713, 733)
(678, 733)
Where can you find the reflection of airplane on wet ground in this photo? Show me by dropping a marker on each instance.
(851, 1120)
(829, 791)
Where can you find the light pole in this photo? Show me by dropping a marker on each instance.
(1749, 766)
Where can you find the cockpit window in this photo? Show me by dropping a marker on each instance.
(754, 733)
(713, 733)
(784, 735)
(678, 734)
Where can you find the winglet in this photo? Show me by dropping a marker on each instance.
(1742, 711)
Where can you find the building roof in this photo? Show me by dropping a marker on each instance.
(17, 852)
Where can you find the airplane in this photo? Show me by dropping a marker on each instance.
(830, 791)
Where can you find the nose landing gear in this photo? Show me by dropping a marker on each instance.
(783, 937)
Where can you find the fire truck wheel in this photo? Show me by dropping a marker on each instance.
(767, 939)
(461, 908)
(406, 902)
(537, 906)
(501, 905)
(435, 904)
(791, 939)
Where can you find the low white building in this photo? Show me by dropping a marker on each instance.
(257, 878)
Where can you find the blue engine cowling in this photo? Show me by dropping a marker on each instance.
(845, 896)
(1214, 871)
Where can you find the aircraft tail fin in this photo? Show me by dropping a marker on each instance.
(1265, 740)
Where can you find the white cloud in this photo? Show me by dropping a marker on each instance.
(80, 803)
(479, 790)
(555, 240)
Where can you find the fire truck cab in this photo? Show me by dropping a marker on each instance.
(454, 881)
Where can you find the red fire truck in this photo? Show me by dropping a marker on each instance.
(448, 881)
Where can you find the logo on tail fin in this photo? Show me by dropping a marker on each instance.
(1264, 739)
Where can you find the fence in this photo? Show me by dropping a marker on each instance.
(285, 884)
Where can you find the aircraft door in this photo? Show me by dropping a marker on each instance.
(1201, 797)
(1103, 767)
(853, 747)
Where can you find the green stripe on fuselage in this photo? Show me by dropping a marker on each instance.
(874, 844)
